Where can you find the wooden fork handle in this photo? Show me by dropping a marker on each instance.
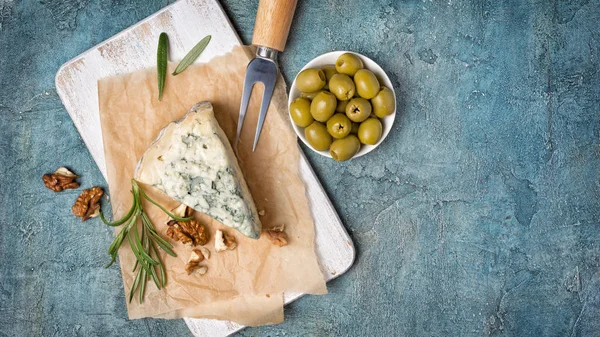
(273, 21)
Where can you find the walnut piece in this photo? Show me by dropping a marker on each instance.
(191, 266)
(194, 262)
(196, 256)
(276, 235)
(191, 232)
(224, 241)
(60, 180)
(195, 266)
(204, 252)
(182, 211)
(87, 204)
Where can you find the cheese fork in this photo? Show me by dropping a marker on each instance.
(273, 21)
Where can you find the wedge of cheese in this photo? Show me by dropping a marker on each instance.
(192, 162)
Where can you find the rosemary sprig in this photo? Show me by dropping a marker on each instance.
(143, 239)
(162, 54)
(192, 55)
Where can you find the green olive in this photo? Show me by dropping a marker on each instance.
(310, 80)
(367, 85)
(323, 106)
(342, 87)
(345, 148)
(348, 64)
(354, 129)
(300, 112)
(339, 126)
(369, 131)
(328, 70)
(384, 103)
(310, 95)
(317, 136)
(341, 106)
(358, 109)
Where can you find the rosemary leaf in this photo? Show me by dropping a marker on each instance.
(166, 249)
(163, 277)
(146, 221)
(153, 232)
(136, 252)
(146, 240)
(112, 260)
(120, 221)
(114, 247)
(136, 283)
(192, 55)
(161, 62)
(133, 248)
(143, 284)
(140, 247)
(154, 277)
(160, 265)
(164, 245)
(146, 244)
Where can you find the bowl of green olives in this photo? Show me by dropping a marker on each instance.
(342, 105)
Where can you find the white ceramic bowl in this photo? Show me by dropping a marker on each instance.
(384, 80)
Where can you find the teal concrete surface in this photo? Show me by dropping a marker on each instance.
(478, 216)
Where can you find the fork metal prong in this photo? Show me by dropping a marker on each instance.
(264, 106)
(246, 93)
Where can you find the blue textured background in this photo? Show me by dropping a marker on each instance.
(479, 215)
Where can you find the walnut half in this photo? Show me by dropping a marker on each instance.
(60, 180)
(191, 232)
(87, 204)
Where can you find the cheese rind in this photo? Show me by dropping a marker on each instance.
(192, 162)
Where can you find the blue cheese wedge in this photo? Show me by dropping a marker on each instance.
(192, 162)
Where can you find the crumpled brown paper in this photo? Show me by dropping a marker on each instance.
(245, 285)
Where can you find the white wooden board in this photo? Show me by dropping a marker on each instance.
(186, 22)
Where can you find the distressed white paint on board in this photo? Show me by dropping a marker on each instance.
(185, 21)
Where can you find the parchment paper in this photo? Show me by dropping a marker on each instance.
(244, 285)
